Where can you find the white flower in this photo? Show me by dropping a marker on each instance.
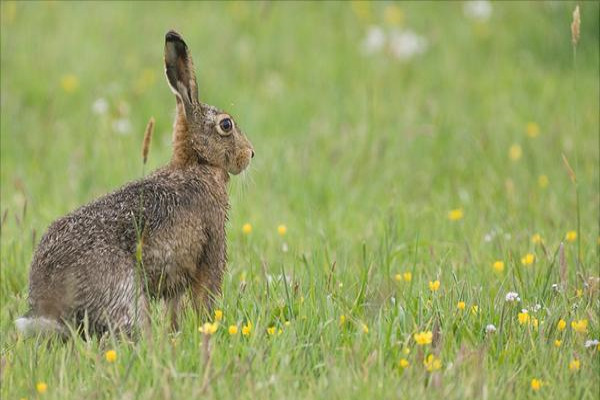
(536, 308)
(374, 41)
(284, 247)
(404, 45)
(487, 238)
(512, 297)
(490, 328)
(524, 311)
(591, 343)
(100, 106)
(555, 287)
(122, 126)
(480, 10)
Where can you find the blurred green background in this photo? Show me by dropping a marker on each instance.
(369, 121)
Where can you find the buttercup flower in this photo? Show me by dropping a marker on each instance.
(532, 129)
(523, 317)
(536, 238)
(110, 356)
(247, 329)
(528, 259)
(233, 330)
(456, 214)
(434, 285)
(407, 276)
(423, 338)
(404, 363)
(432, 363)
(498, 266)
(218, 315)
(41, 387)
(398, 277)
(271, 330)
(580, 326)
(574, 365)
(571, 236)
(365, 328)
(281, 229)
(561, 325)
(460, 305)
(247, 228)
(536, 384)
(209, 328)
(557, 343)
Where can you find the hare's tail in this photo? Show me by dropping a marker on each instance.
(32, 325)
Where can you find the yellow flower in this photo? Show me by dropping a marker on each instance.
(247, 329)
(247, 229)
(432, 363)
(365, 328)
(498, 266)
(571, 236)
(557, 343)
(561, 325)
(393, 15)
(543, 181)
(208, 329)
(41, 387)
(407, 276)
(281, 229)
(533, 130)
(398, 277)
(342, 319)
(69, 83)
(271, 330)
(406, 351)
(434, 285)
(233, 330)
(515, 152)
(523, 318)
(574, 365)
(578, 292)
(404, 363)
(461, 305)
(534, 322)
(536, 384)
(528, 259)
(536, 239)
(218, 315)
(580, 326)
(456, 214)
(423, 338)
(110, 356)
(474, 310)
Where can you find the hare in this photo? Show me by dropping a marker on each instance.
(86, 269)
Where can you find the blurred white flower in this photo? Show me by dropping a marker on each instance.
(122, 126)
(536, 308)
(480, 10)
(591, 343)
(284, 247)
(406, 44)
(555, 287)
(488, 237)
(490, 328)
(512, 297)
(374, 41)
(100, 106)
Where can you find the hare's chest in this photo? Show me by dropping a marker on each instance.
(172, 254)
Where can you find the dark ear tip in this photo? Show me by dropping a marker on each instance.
(173, 36)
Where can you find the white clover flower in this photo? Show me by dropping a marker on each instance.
(591, 343)
(512, 297)
(555, 287)
(487, 238)
(284, 247)
(122, 126)
(536, 308)
(100, 106)
(406, 44)
(524, 311)
(374, 41)
(480, 10)
(490, 328)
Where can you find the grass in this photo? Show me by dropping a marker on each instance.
(361, 157)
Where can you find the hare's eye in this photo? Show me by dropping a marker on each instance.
(226, 125)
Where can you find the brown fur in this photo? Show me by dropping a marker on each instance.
(85, 267)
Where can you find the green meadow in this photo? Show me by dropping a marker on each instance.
(415, 163)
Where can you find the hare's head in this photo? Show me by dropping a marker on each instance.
(202, 133)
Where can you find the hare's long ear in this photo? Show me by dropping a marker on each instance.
(179, 69)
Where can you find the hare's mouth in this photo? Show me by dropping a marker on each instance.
(241, 162)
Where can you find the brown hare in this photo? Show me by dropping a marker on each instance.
(85, 270)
